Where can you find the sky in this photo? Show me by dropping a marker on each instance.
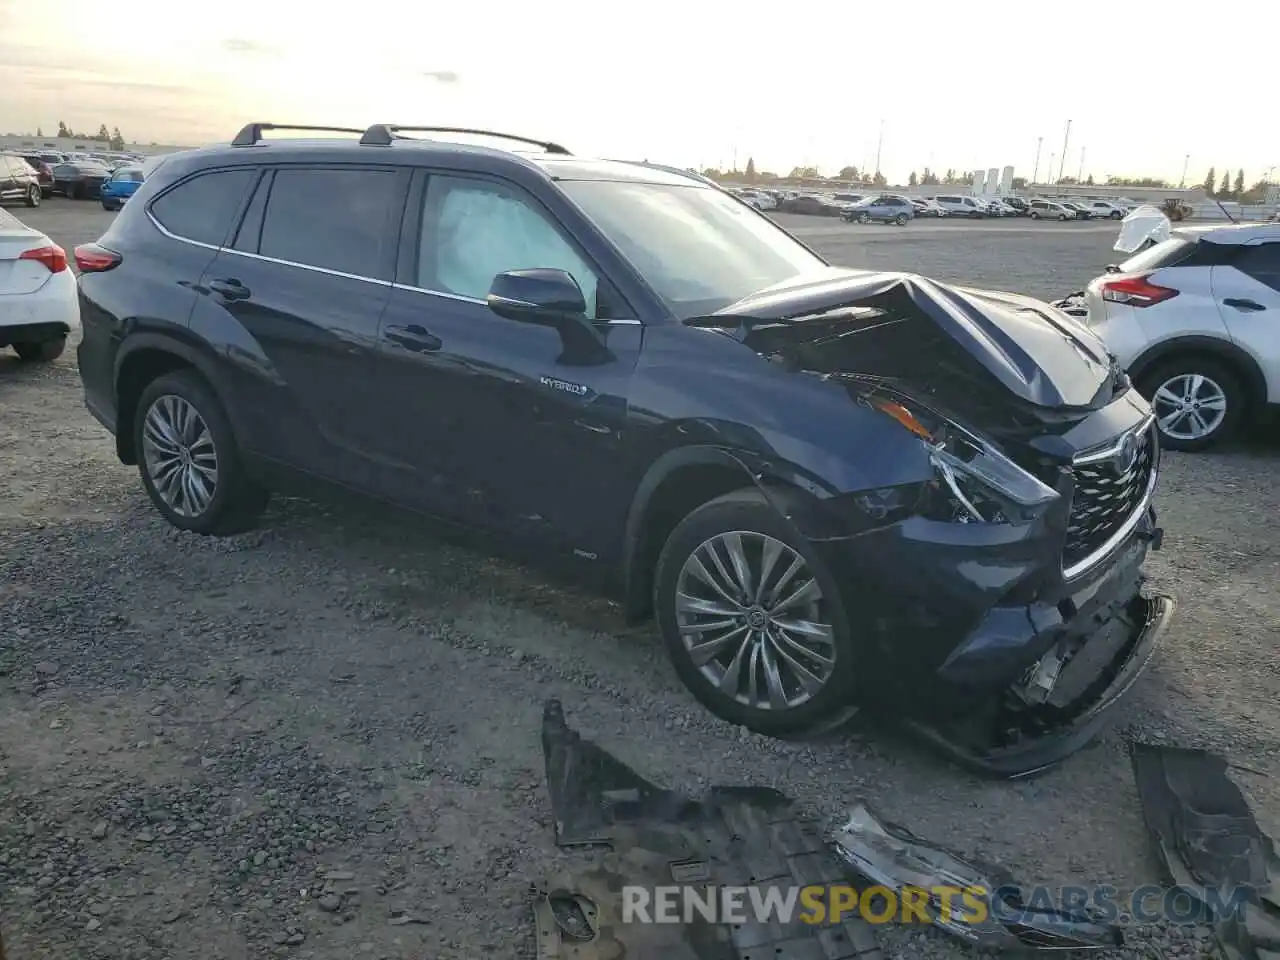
(687, 83)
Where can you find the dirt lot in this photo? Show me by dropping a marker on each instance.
(194, 732)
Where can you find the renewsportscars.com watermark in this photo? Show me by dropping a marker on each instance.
(833, 903)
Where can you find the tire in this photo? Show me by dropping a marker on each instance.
(901, 219)
(864, 218)
(1117, 215)
(33, 196)
(236, 501)
(1062, 217)
(108, 205)
(1219, 379)
(1034, 215)
(757, 523)
(44, 351)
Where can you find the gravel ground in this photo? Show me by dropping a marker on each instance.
(321, 739)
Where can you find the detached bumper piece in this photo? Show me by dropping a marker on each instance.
(1212, 846)
(990, 915)
(732, 837)
(1020, 740)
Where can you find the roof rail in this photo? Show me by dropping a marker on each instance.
(382, 134)
(251, 133)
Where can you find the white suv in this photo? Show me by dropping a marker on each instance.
(1196, 322)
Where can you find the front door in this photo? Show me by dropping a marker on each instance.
(306, 278)
(506, 428)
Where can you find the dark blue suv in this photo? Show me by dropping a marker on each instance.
(832, 488)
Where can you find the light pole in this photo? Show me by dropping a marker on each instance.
(1066, 138)
(1035, 170)
(879, 146)
(1080, 172)
(1052, 157)
(1183, 182)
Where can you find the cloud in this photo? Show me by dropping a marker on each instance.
(442, 76)
(243, 45)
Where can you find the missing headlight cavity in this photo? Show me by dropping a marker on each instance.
(976, 902)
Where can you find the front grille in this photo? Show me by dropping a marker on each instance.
(1105, 498)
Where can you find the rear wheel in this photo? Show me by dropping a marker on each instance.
(1062, 216)
(33, 195)
(752, 619)
(43, 351)
(189, 459)
(1198, 401)
(1034, 215)
(864, 218)
(108, 205)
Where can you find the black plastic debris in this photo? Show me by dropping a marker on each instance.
(993, 916)
(1211, 846)
(733, 837)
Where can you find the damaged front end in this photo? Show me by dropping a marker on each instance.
(991, 513)
(979, 903)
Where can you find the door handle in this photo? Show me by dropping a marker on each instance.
(415, 338)
(1246, 305)
(230, 288)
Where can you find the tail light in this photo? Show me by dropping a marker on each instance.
(52, 256)
(1136, 291)
(91, 258)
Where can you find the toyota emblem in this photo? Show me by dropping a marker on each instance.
(1127, 454)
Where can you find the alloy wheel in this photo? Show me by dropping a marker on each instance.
(180, 455)
(753, 620)
(1190, 406)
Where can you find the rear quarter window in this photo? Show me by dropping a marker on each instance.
(203, 207)
(1262, 262)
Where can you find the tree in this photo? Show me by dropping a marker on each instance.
(117, 139)
(39, 132)
(849, 173)
(1210, 184)
(930, 179)
(62, 129)
(1225, 191)
(103, 134)
(949, 176)
(1089, 180)
(751, 169)
(879, 179)
(804, 173)
(913, 180)
(1238, 190)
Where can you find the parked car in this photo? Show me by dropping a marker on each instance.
(1050, 210)
(19, 181)
(1081, 211)
(886, 209)
(1019, 206)
(580, 356)
(1105, 209)
(1193, 320)
(44, 171)
(998, 208)
(957, 206)
(79, 180)
(927, 208)
(38, 303)
(813, 205)
(122, 185)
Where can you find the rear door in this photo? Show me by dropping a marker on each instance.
(1248, 297)
(8, 179)
(305, 280)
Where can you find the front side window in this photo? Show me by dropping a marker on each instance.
(473, 230)
(697, 247)
(1262, 262)
(335, 219)
(203, 207)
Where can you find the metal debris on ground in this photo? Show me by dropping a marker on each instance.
(732, 837)
(1212, 846)
(892, 857)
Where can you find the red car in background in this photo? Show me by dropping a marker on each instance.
(45, 171)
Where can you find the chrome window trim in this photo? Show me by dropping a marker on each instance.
(1109, 452)
(173, 236)
(1126, 529)
(306, 266)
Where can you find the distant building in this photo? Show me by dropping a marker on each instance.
(80, 145)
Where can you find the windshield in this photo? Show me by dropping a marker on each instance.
(699, 248)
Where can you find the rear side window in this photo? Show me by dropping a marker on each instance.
(202, 208)
(333, 219)
(1262, 262)
(1180, 252)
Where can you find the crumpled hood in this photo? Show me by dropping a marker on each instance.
(928, 335)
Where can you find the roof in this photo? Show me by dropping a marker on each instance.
(1231, 233)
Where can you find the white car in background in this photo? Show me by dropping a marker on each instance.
(39, 304)
(962, 206)
(1104, 209)
(1195, 319)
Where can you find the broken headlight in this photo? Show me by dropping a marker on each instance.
(973, 481)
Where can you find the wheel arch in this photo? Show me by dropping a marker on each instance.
(1252, 379)
(143, 358)
(683, 479)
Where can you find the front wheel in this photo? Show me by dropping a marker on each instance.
(1198, 402)
(1034, 215)
(752, 619)
(864, 218)
(43, 351)
(1062, 217)
(33, 196)
(189, 459)
(901, 219)
(1117, 215)
(108, 205)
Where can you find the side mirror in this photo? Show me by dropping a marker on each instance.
(1113, 268)
(541, 295)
